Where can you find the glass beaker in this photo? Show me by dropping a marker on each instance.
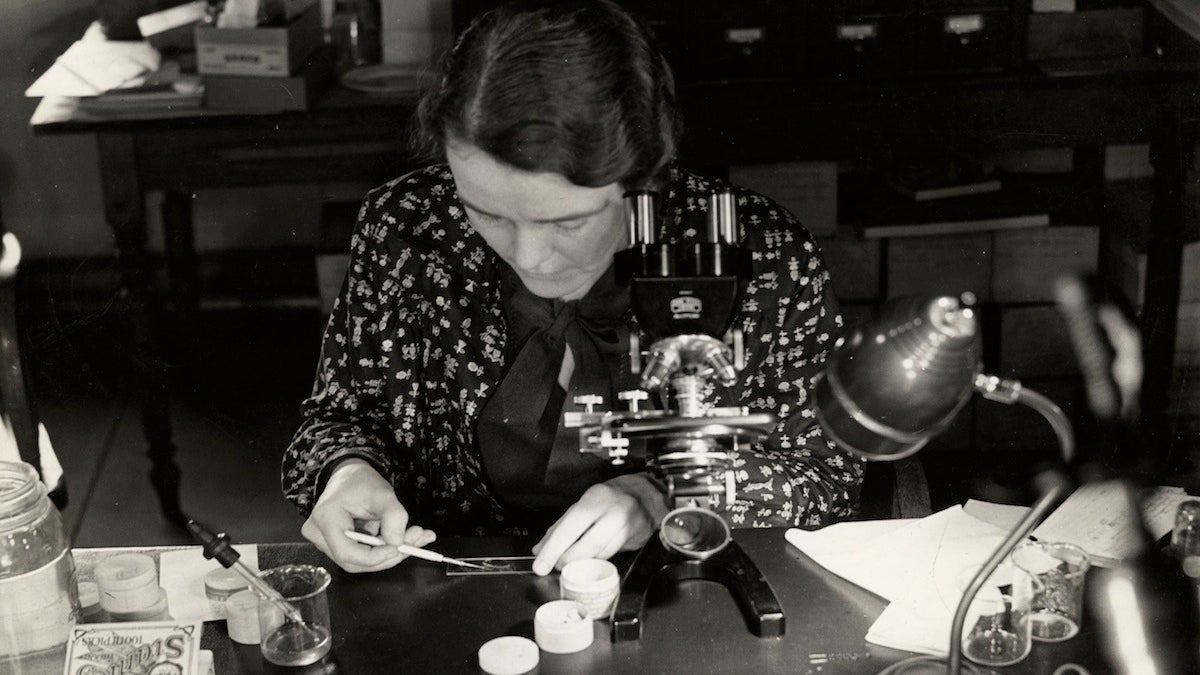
(287, 643)
(38, 597)
(997, 631)
(1057, 572)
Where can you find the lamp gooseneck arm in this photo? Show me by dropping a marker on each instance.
(1011, 391)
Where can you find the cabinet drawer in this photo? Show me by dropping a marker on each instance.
(963, 41)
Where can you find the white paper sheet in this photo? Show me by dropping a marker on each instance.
(1097, 518)
(914, 564)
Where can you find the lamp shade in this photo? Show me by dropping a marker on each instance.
(900, 378)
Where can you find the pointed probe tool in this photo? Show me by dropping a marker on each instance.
(414, 551)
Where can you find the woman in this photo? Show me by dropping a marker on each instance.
(471, 280)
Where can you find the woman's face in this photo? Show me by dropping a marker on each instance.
(557, 236)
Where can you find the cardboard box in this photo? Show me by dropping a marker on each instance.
(808, 189)
(1125, 267)
(265, 51)
(294, 92)
(854, 265)
(1127, 223)
(1027, 262)
(947, 265)
(1035, 342)
(1092, 34)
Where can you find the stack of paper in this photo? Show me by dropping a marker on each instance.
(94, 65)
(914, 564)
(1099, 519)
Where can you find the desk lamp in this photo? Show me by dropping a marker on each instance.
(899, 379)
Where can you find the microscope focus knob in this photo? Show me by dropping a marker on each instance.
(589, 401)
(633, 397)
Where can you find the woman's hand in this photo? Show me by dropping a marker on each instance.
(356, 495)
(617, 515)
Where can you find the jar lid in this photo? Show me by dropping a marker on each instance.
(125, 571)
(590, 575)
(508, 655)
(155, 612)
(224, 582)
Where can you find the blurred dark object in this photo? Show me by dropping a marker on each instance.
(118, 18)
(1185, 14)
(1147, 611)
(357, 24)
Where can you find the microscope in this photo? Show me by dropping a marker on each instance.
(684, 299)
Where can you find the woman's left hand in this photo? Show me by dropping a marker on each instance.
(616, 515)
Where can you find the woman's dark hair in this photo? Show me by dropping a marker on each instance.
(573, 87)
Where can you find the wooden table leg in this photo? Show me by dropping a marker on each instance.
(182, 277)
(1172, 157)
(124, 210)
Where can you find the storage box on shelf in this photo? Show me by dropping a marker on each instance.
(966, 35)
(940, 265)
(274, 94)
(1027, 262)
(1125, 263)
(854, 264)
(267, 51)
(1034, 342)
(865, 39)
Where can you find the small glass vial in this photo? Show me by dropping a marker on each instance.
(38, 597)
(1185, 538)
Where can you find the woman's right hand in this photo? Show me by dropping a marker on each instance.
(357, 497)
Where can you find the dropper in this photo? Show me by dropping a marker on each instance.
(216, 546)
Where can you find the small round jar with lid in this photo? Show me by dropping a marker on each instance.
(38, 596)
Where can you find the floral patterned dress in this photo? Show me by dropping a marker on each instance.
(416, 344)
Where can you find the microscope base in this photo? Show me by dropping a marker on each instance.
(730, 566)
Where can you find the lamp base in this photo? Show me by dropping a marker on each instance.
(730, 567)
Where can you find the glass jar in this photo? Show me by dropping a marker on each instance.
(38, 596)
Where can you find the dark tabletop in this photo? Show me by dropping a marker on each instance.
(416, 619)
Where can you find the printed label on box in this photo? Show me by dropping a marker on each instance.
(239, 60)
(135, 648)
